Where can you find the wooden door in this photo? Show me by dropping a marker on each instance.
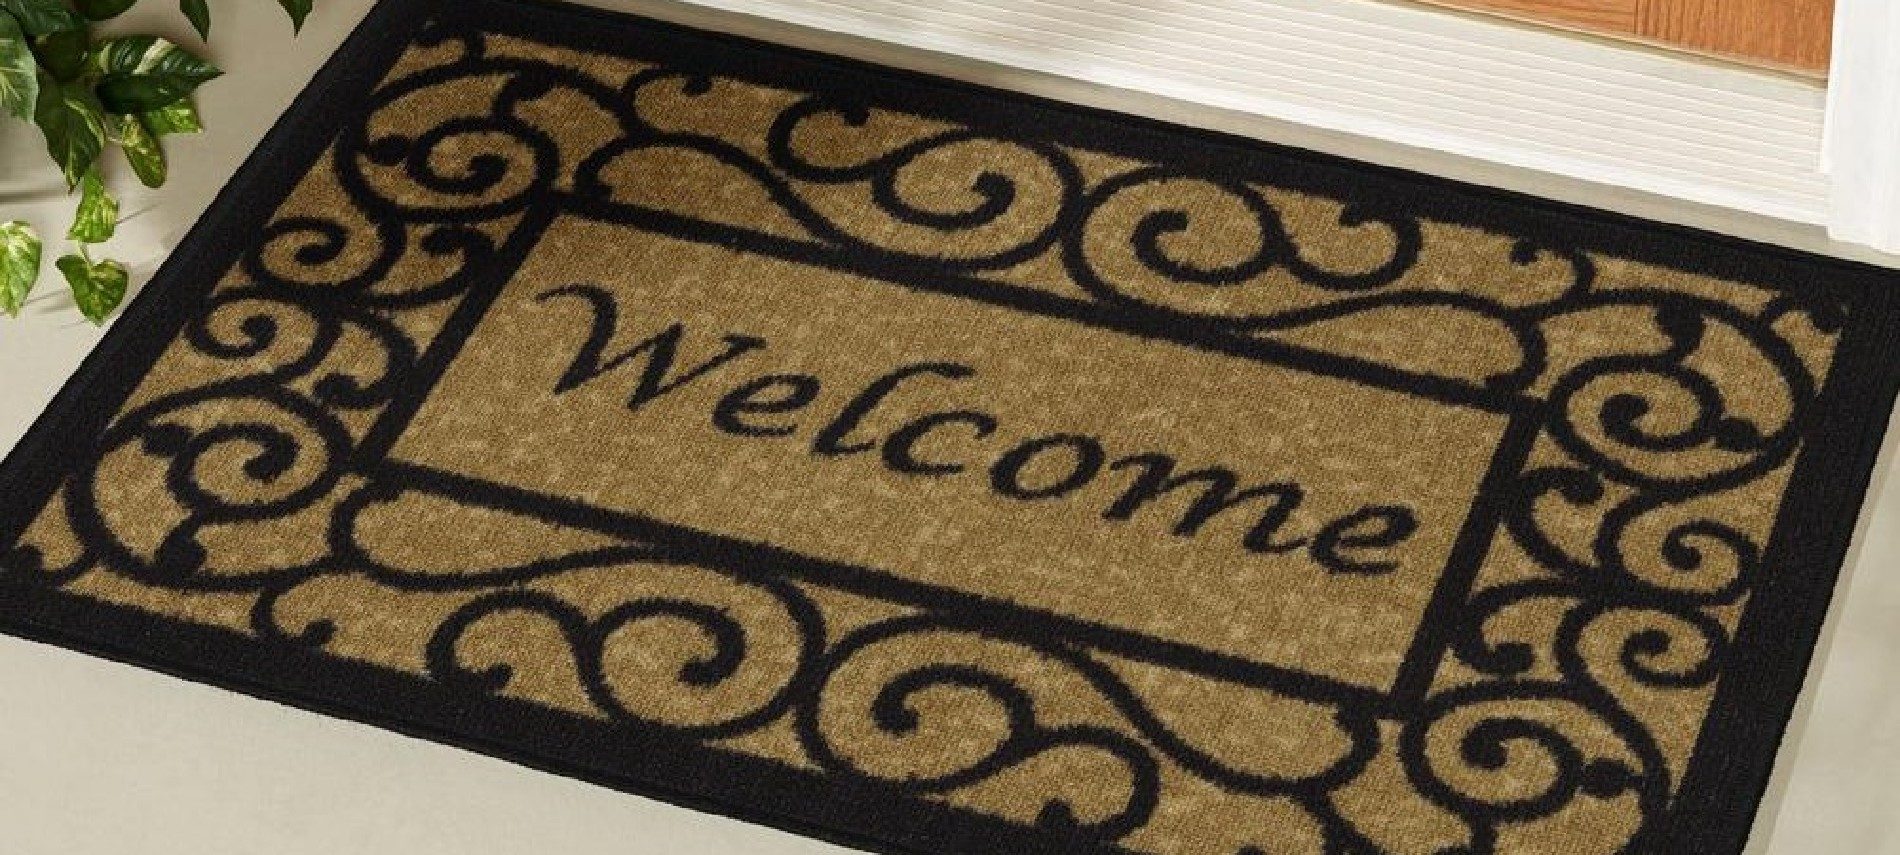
(1788, 34)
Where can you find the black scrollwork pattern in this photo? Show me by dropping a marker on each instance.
(1634, 506)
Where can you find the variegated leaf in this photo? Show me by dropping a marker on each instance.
(142, 150)
(143, 73)
(19, 72)
(19, 265)
(179, 117)
(74, 126)
(98, 213)
(98, 288)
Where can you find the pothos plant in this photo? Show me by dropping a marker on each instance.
(88, 95)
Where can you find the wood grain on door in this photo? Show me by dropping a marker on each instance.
(1789, 34)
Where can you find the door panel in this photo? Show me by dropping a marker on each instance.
(1793, 33)
(1616, 16)
(1788, 34)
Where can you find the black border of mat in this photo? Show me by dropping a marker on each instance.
(1728, 773)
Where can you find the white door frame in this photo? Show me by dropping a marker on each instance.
(1862, 149)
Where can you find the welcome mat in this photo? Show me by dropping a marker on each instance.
(939, 470)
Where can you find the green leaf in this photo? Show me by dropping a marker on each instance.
(98, 212)
(138, 93)
(151, 55)
(39, 17)
(97, 288)
(19, 265)
(198, 12)
(74, 125)
(19, 77)
(99, 10)
(298, 9)
(63, 54)
(142, 150)
(143, 73)
(179, 117)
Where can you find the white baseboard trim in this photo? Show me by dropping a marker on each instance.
(1581, 108)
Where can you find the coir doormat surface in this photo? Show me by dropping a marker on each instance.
(939, 470)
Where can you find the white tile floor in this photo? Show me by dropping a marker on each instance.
(101, 758)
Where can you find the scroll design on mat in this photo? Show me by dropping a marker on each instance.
(1643, 587)
(329, 315)
(761, 651)
(322, 326)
